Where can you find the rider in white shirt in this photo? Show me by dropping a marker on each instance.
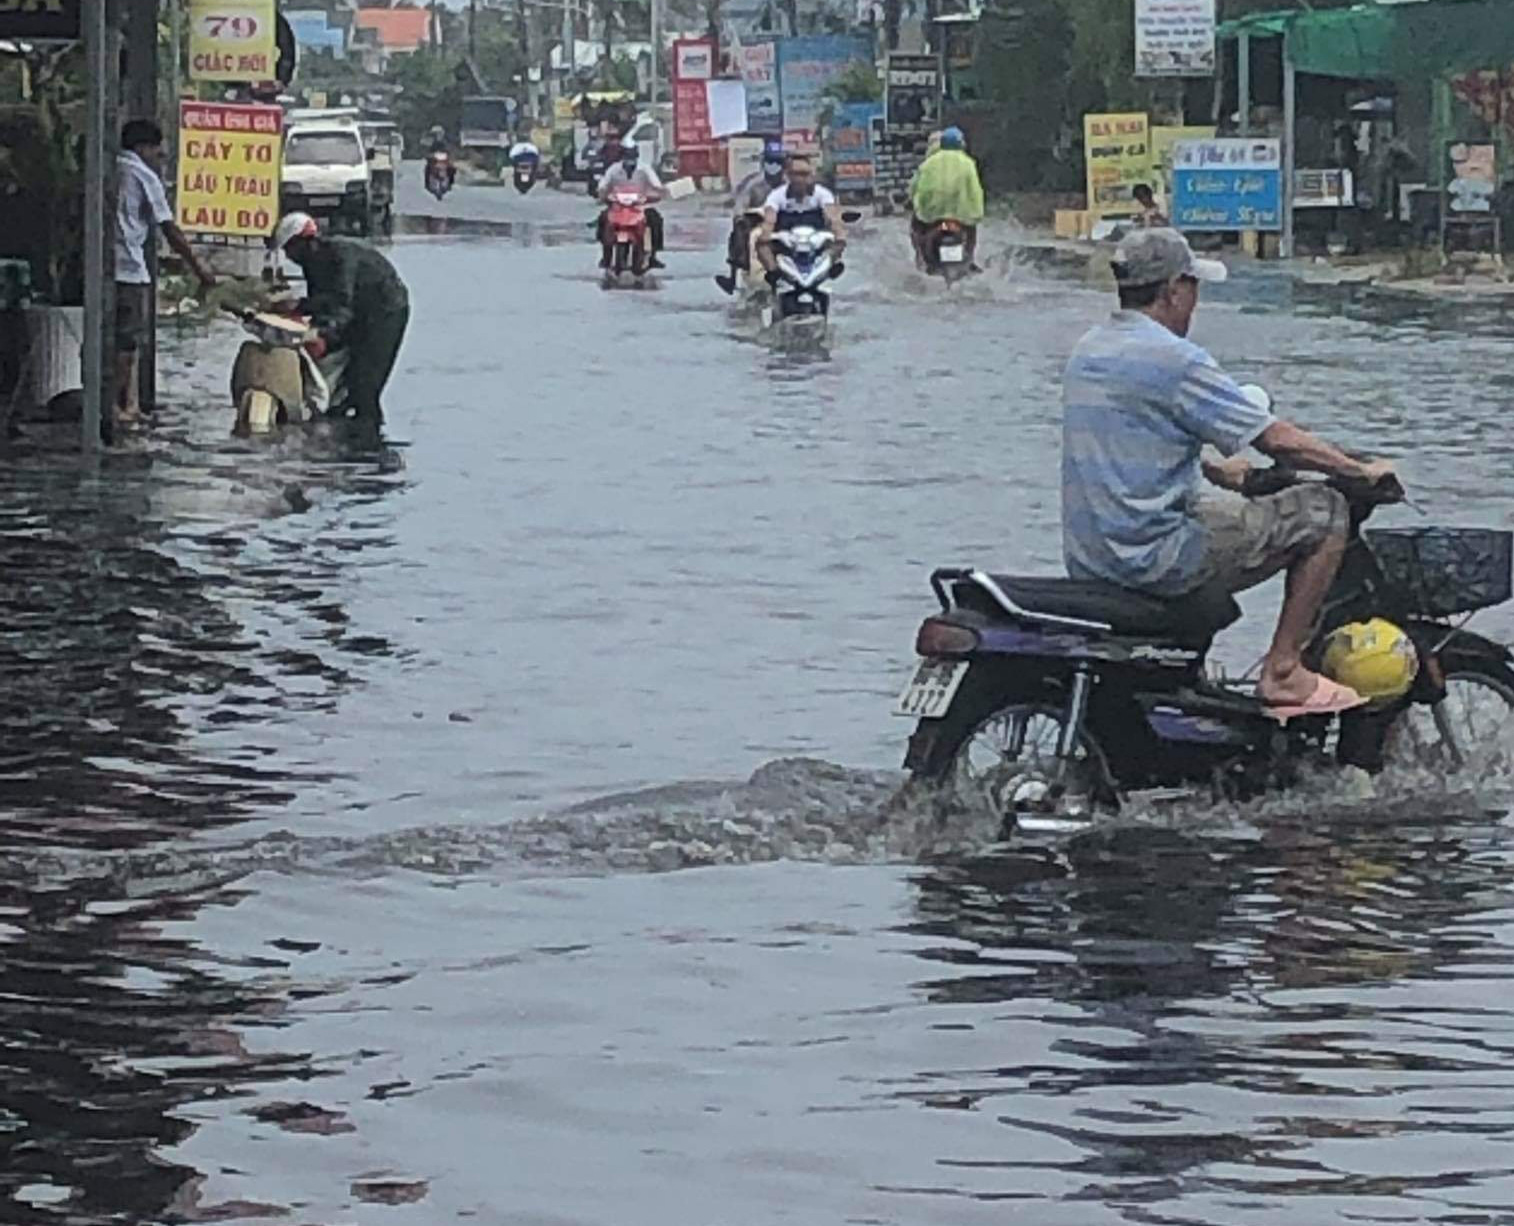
(799, 202)
(643, 178)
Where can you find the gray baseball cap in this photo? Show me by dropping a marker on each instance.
(1154, 257)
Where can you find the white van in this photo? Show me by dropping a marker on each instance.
(326, 171)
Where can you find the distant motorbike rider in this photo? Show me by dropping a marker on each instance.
(524, 153)
(799, 202)
(628, 171)
(436, 144)
(751, 195)
(946, 188)
(354, 300)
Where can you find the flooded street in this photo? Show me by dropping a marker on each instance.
(341, 789)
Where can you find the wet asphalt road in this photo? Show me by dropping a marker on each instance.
(337, 824)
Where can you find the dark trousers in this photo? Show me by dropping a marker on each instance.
(738, 252)
(375, 347)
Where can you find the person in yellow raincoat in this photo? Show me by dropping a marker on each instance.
(947, 188)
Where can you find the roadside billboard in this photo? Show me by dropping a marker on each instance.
(229, 160)
(758, 64)
(1174, 38)
(807, 67)
(1164, 139)
(1234, 183)
(232, 40)
(849, 147)
(693, 69)
(1117, 154)
(912, 93)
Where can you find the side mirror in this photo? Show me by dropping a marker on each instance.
(850, 216)
(372, 153)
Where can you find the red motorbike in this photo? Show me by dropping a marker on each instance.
(625, 236)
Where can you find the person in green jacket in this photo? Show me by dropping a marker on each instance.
(947, 188)
(354, 300)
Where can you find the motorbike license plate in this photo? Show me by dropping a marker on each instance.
(930, 691)
(952, 254)
(324, 202)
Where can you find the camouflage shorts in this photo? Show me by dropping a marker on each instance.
(1253, 539)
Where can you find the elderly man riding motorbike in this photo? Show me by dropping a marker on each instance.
(1140, 404)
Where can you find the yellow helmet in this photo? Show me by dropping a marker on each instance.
(1375, 658)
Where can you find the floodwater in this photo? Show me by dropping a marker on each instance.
(344, 791)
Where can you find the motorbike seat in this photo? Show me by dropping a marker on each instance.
(1193, 619)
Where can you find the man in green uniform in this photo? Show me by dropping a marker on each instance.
(355, 300)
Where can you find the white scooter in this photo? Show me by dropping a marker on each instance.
(799, 316)
(275, 382)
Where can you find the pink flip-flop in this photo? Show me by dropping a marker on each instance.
(1329, 698)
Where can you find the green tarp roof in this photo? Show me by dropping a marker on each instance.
(1391, 41)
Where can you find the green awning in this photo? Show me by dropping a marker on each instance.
(1390, 41)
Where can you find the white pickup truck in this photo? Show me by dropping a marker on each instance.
(326, 170)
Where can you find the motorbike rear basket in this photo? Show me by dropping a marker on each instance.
(1441, 571)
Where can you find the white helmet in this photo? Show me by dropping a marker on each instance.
(294, 225)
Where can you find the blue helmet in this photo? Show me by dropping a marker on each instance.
(772, 160)
(952, 138)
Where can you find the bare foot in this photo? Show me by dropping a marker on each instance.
(1288, 689)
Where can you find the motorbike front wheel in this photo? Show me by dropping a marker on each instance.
(1006, 763)
(1469, 734)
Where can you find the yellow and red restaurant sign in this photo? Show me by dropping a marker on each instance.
(232, 40)
(229, 159)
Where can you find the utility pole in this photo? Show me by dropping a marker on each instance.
(102, 72)
(473, 30)
(652, 83)
(142, 103)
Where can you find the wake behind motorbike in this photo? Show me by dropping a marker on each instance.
(1049, 700)
(625, 237)
(274, 380)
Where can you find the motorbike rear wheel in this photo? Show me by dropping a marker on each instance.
(1006, 762)
(1469, 734)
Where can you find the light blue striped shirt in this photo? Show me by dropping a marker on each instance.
(1138, 404)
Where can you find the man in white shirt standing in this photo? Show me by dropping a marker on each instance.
(141, 210)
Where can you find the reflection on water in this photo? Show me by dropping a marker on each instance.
(341, 788)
